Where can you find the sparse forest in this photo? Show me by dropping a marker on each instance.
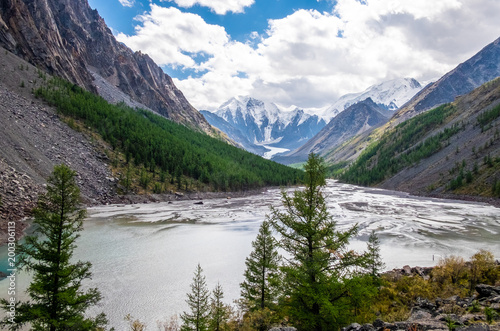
(398, 148)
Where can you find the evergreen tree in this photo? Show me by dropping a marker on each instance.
(317, 260)
(259, 288)
(57, 299)
(219, 312)
(198, 301)
(374, 261)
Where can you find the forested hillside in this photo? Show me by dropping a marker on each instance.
(454, 148)
(167, 153)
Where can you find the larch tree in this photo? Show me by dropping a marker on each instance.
(259, 289)
(374, 261)
(197, 319)
(219, 311)
(317, 260)
(57, 300)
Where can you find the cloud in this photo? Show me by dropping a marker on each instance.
(220, 7)
(174, 38)
(127, 3)
(310, 58)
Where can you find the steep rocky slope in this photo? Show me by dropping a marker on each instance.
(481, 68)
(355, 120)
(33, 139)
(69, 39)
(452, 150)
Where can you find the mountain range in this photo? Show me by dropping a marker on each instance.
(268, 129)
(356, 119)
(66, 38)
(263, 127)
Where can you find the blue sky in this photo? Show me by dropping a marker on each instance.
(305, 53)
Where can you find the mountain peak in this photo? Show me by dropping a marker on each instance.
(391, 94)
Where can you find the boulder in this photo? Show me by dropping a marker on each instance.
(475, 327)
(486, 291)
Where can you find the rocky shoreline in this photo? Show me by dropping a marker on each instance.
(454, 313)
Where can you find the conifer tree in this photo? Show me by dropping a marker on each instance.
(219, 312)
(57, 301)
(317, 260)
(374, 261)
(259, 288)
(197, 319)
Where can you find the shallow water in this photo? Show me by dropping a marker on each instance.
(144, 256)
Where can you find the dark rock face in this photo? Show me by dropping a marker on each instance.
(486, 291)
(355, 120)
(69, 39)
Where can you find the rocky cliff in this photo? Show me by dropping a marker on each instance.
(69, 39)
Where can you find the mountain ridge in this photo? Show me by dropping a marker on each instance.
(354, 120)
(262, 127)
(451, 150)
(445, 89)
(69, 39)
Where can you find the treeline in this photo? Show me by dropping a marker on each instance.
(400, 147)
(162, 146)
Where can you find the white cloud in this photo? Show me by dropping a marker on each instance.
(220, 7)
(172, 37)
(310, 58)
(127, 3)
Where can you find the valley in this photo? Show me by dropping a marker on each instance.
(295, 211)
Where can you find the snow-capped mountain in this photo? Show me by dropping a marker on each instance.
(390, 95)
(268, 129)
(264, 124)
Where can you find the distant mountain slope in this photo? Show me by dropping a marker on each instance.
(451, 149)
(390, 94)
(356, 119)
(256, 125)
(69, 39)
(481, 68)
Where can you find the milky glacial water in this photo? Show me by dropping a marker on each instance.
(144, 255)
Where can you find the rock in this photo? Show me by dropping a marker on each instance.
(378, 323)
(283, 328)
(475, 327)
(352, 327)
(486, 291)
(69, 39)
(407, 270)
(419, 314)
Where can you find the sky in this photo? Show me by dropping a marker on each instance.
(304, 53)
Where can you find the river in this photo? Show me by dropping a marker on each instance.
(144, 255)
